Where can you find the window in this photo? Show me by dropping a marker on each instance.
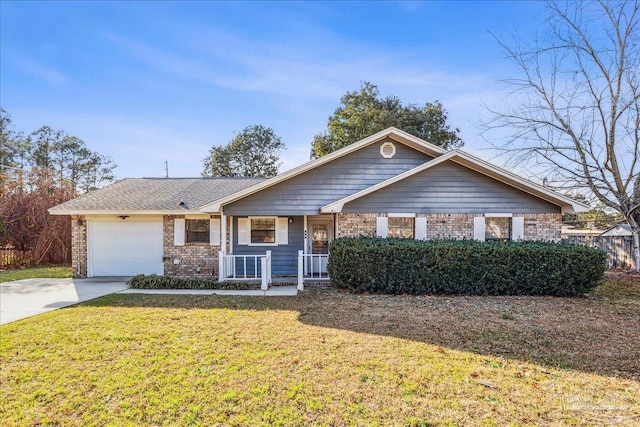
(497, 228)
(400, 227)
(263, 230)
(197, 230)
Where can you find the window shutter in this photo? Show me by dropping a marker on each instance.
(421, 228)
(381, 226)
(478, 228)
(517, 228)
(282, 231)
(214, 231)
(244, 231)
(178, 231)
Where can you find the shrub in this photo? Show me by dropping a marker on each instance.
(398, 266)
(168, 282)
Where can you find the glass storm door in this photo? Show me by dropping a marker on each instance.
(321, 234)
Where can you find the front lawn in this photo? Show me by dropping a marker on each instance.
(54, 271)
(327, 358)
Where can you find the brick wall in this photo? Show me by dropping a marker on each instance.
(357, 224)
(545, 226)
(79, 246)
(190, 257)
(449, 226)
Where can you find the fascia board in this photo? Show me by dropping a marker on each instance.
(122, 212)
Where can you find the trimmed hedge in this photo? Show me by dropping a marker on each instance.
(466, 267)
(168, 282)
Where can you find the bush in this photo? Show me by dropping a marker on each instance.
(168, 282)
(399, 266)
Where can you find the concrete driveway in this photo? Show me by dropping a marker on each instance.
(28, 297)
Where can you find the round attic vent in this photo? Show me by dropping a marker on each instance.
(387, 150)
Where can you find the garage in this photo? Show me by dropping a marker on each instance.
(124, 246)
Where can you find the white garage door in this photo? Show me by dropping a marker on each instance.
(118, 247)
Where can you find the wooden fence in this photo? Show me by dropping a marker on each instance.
(11, 257)
(619, 249)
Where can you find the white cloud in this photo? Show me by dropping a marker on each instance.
(48, 74)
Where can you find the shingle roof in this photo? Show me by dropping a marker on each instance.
(155, 195)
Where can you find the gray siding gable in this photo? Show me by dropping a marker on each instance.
(306, 193)
(449, 188)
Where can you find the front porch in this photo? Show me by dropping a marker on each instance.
(258, 268)
(271, 248)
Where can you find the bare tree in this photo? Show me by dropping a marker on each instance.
(578, 115)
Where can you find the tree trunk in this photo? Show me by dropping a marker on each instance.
(633, 218)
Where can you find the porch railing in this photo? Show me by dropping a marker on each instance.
(245, 267)
(312, 266)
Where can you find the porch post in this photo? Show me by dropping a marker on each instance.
(223, 247)
(264, 270)
(223, 232)
(221, 265)
(300, 270)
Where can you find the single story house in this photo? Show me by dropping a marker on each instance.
(389, 184)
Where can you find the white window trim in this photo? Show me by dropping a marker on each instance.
(275, 218)
(498, 215)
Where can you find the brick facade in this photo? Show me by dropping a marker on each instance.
(357, 224)
(546, 226)
(201, 260)
(449, 226)
(79, 246)
(193, 259)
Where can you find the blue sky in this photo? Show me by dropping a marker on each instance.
(145, 82)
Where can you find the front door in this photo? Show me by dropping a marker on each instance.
(320, 235)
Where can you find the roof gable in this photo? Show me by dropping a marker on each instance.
(396, 135)
(467, 160)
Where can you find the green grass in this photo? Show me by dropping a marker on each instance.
(325, 358)
(35, 272)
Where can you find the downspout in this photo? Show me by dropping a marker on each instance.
(79, 224)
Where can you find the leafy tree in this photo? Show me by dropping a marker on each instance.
(46, 168)
(13, 148)
(254, 151)
(68, 159)
(363, 113)
(580, 116)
